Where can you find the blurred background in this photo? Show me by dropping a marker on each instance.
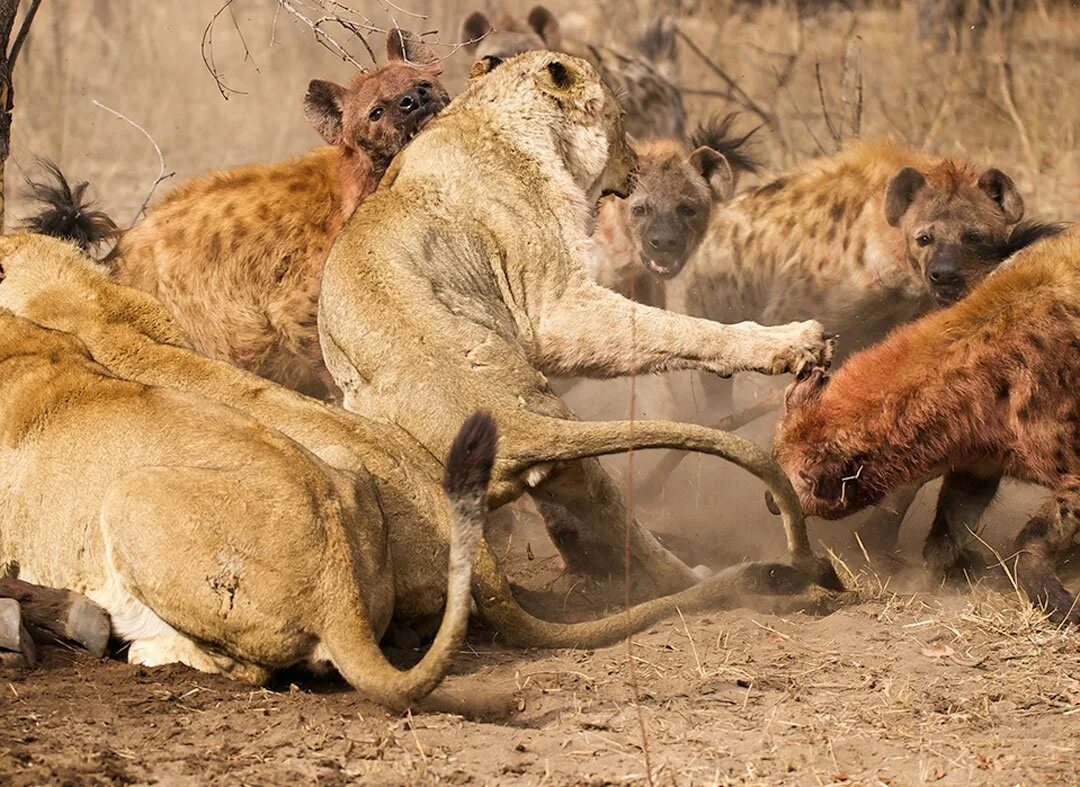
(989, 80)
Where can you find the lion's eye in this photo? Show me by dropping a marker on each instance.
(924, 239)
(375, 114)
(639, 210)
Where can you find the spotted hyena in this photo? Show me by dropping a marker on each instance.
(983, 388)
(863, 241)
(643, 80)
(237, 255)
(646, 238)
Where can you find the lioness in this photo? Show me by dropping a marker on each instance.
(209, 538)
(462, 282)
(134, 337)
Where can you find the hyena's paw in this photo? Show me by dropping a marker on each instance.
(797, 345)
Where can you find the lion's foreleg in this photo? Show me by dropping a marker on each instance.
(597, 333)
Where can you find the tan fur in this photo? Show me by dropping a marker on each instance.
(133, 336)
(237, 255)
(209, 538)
(462, 282)
(644, 83)
(814, 241)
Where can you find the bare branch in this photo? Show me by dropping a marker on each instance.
(737, 94)
(161, 159)
(835, 133)
(20, 37)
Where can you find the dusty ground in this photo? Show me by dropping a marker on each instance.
(904, 684)
(895, 689)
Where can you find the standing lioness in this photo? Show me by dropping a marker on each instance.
(462, 282)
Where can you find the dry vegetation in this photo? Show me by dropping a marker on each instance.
(902, 685)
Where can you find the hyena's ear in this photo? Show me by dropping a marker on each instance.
(901, 192)
(324, 108)
(474, 28)
(712, 166)
(484, 65)
(806, 387)
(1001, 189)
(544, 23)
(401, 45)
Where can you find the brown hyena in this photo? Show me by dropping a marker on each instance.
(643, 80)
(647, 237)
(985, 387)
(237, 255)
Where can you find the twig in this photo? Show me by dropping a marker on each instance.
(835, 133)
(1004, 77)
(161, 158)
(20, 37)
(738, 94)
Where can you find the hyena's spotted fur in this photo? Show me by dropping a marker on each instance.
(237, 255)
(986, 387)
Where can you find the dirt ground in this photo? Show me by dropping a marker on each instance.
(902, 684)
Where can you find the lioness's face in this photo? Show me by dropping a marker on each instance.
(622, 163)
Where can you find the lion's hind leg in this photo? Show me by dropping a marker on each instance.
(187, 582)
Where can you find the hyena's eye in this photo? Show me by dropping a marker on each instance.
(687, 210)
(925, 239)
(375, 114)
(972, 237)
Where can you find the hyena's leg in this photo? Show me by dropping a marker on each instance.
(882, 532)
(1050, 531)
(586, 517)
(963, 499)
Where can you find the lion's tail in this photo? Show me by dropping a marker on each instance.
(566, 440)
(358, 657)
(724, 590)
(66, 212)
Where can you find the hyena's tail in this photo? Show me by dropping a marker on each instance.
(66, 212)
(358, 657)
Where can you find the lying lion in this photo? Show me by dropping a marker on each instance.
(462, 282)
(209, 538)
(134, 337)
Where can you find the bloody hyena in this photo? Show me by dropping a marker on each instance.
(643, 80)
(237, 256)
(985, 387)
(647, 237)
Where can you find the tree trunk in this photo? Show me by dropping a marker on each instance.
(8, 8)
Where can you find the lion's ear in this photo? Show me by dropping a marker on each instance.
(560, 75)
(323, 107)
(484, 65)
